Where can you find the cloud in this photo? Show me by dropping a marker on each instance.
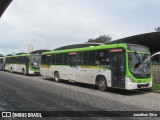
(53, 23)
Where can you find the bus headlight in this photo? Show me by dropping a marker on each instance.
(131, 79)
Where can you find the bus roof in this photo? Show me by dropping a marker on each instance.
(78, 46)
(87, 48)
(18, 55)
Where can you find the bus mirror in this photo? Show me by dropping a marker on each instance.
(130, 56)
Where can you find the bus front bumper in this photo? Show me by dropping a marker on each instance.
(129, 85)
(31, 72)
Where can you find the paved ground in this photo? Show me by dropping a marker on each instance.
(34, 93)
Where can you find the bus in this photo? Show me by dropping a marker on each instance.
(24, 63)
(2, 63)
(125, 66)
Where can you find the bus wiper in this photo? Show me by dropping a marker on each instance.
(137, 56)
(139, 63)
(35, 60)
(144, 57)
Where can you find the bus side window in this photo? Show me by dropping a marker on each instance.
(80, 58)
(8, 60)
(19, 60)
(23, 60)
(48, 60)
(85, 58)
(43, 60)
(52, 59)
(99, 57)
(59, 59)
(91, 58)
(65, 58)
(72, 60)
(102, 58)
(16, 60)
(11, 60)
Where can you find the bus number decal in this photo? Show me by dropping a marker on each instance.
(116, 50)
(72, 53)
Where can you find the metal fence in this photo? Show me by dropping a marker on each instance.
(156, 73)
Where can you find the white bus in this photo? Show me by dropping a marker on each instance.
(2, 63)
(126, 66)
(24, 63)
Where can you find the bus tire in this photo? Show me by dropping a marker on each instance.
(102, 83)
(11, 71)
(56, 77)
(23, 71)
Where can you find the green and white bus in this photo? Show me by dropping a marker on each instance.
(126, 66)
(23, 63)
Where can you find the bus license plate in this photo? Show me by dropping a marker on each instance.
(143, 86)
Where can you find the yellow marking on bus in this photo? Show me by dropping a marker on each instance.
(85, 66)
(45, 66)
(93, 67)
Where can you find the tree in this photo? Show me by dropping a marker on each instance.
(100, 39)
(157, 29)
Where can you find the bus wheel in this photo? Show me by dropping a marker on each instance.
(102, 84)
(23, 72)
(11, 71)
(56, 76)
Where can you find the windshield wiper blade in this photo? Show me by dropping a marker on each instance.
(145, 57)
(137, 65)
(137, 56)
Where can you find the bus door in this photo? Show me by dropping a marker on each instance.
(118, 68)
(72, 63)
(26, 61)
(48, 63)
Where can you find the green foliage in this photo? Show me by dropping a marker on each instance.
(100, 39)
(156, 87)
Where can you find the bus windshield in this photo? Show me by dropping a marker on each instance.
(139, 48)
(35, 61)
(139, 64)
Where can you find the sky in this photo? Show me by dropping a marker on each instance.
(49, 24)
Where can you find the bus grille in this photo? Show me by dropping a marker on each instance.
(143, 85)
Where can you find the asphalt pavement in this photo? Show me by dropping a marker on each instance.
(36, 93)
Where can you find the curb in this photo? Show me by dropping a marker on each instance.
(156, 91)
